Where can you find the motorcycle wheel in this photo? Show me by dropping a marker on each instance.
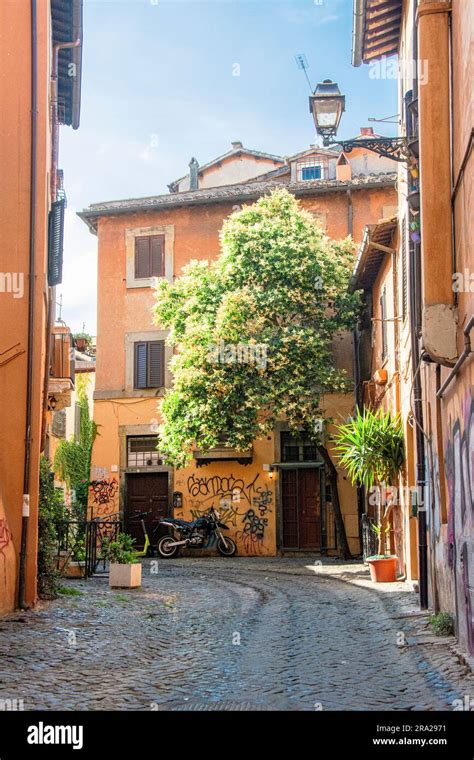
(229, 549)
(164, 550)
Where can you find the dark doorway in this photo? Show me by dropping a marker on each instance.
(146, 492)
(301, 508)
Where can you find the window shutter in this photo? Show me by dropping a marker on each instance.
(156, 256)
(55, 242)
(140, 365)
(142, 257)
(155, 364)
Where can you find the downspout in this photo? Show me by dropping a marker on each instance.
(415, 295)
(49, 329)
(31, 305)
(350, 212)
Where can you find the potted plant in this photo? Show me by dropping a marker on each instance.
(371, 447)
(82, 340)
(125, 571)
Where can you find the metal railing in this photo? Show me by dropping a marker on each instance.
(80, 544)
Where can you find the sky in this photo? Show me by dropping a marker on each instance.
(165, 80)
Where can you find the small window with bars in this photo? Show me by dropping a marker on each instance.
(149, 256)
(308, 170)
(149, 370)
(142, 451)
(295, 448)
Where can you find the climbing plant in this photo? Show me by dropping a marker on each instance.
(73, 458)
(51, 511)
(254, 331)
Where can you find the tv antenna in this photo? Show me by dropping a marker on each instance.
(302, 63)
(386, 119)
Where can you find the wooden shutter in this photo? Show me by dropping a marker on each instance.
(157, 259)
(155, 364)
(149, 256)
(55, 242)
(142, 257)
(149, 364)
(140, 369)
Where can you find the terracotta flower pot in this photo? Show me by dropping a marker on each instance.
(383, 570)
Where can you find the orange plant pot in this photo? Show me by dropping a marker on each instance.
(383, 570)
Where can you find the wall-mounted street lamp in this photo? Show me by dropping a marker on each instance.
(327, 105)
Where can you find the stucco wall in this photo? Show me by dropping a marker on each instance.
(15, 95)
(232, 170)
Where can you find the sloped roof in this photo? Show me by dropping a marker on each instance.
(376, 29)
(233, 152)
(375, 245)
(230, 193)
(66, 22)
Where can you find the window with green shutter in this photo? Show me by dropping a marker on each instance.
(55, 242)
(149, 364)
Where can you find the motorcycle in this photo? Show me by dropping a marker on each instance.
(194, 535)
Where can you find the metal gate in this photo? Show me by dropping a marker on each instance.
(369, 539)
(80, 544)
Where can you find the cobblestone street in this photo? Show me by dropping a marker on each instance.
(212, 633)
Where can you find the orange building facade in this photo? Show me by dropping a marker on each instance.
(429, 257)
(275, 497)
(40, 67)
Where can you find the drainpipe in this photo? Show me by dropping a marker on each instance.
(51, 301)
(415, 301)
(31, 305)
(350, 212)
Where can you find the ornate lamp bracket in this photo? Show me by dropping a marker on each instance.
(395, 148)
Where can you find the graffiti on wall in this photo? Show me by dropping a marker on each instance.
(244, 506)
(460, 481)
(5, 538)
(103, 497)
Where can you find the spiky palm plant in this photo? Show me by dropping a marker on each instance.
(371, 448)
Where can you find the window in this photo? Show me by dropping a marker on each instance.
(142, 451)
(149, 256)
(298, 448)
(55, 242)
(310, 172)
(312, 168)
(383, 322)
(149, 364)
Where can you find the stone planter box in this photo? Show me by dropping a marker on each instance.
(74, 570)
(125, 576)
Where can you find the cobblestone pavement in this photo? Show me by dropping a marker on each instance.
(243, 633)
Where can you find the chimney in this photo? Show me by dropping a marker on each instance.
(193, 174)
(237, 145)
(343, 169)
(366, 132)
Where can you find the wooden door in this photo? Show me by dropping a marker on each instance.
(301, 508)
(146, 492)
